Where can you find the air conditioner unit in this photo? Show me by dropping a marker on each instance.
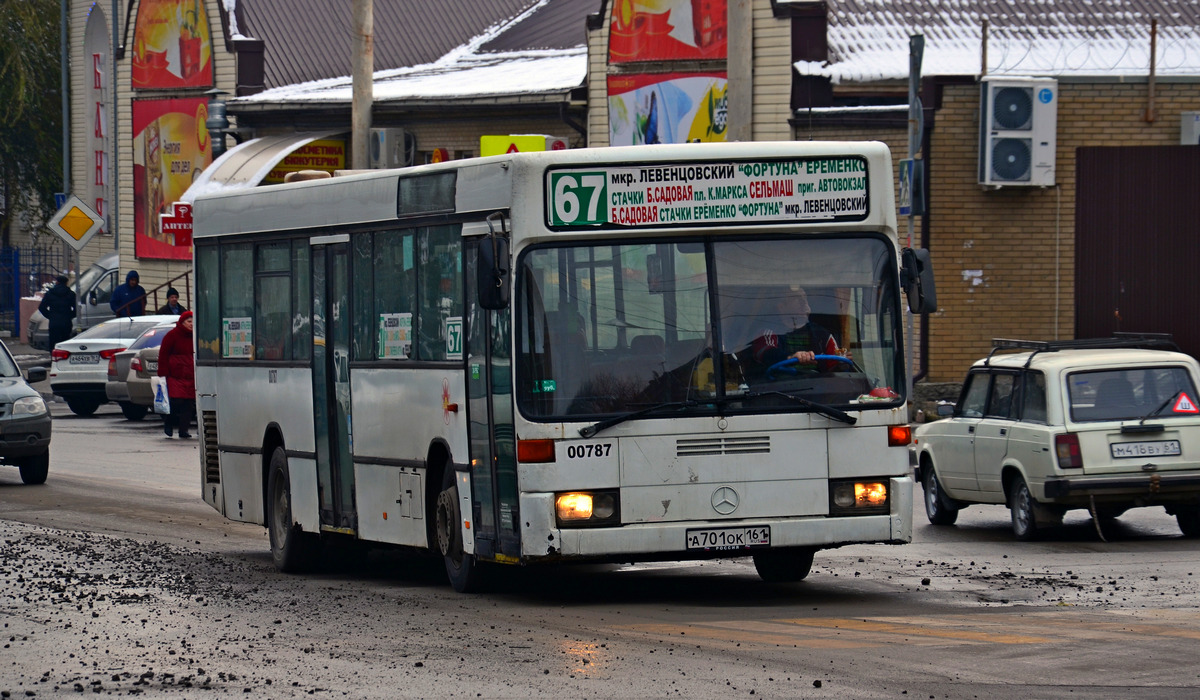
(1018, 121)
(387, 148)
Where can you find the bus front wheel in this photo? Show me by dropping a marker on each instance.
(292, 549)
(461, 568)
(784, 565)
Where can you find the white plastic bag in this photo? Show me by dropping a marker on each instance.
(162, 403)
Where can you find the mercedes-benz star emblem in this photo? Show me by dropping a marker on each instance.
(725, 500)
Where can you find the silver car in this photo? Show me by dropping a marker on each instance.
(79, 366)
(124, 371)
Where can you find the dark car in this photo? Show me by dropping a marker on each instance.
(24, 420)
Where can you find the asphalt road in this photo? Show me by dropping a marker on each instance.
(115, 578)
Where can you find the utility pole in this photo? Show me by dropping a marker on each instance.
(363, 82)
(916, 50)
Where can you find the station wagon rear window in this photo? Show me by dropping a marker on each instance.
(1135, 393)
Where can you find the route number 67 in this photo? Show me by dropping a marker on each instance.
(577, 199)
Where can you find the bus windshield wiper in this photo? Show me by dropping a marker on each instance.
(596, 427)
(827, 411)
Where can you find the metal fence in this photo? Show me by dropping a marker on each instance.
(25, 272)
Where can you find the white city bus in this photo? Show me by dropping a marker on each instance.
(562, 356)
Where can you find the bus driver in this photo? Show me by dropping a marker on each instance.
(791, 334)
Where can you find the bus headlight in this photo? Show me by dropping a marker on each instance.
(852, 497)
(586, 508)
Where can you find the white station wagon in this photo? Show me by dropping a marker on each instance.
(1043, 427)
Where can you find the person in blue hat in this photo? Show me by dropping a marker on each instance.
(130, 298)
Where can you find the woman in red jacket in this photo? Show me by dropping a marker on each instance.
(176, 362)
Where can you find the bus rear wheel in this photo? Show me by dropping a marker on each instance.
(784, 565)
(461, 568)
(292, 549)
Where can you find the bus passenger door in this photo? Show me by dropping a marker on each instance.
(331, 383)
(492, 436)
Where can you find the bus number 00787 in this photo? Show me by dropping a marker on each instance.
(589, 450)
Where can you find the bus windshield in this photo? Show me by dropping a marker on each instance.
(608, 328)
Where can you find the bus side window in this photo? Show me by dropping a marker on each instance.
(439, 280)
(272, 301)
(395, 292)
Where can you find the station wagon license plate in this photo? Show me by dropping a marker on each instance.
(1154, 448)
(83, 358)
(729, 537)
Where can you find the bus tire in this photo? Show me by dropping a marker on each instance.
(784, 565)
(292, 549)
(461, 568)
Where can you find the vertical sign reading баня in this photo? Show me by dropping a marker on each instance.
(699, 193)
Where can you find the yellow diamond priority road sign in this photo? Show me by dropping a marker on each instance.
(75, 222)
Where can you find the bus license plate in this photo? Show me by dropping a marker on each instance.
(729, 537)
(1154, 448)
(87, 358)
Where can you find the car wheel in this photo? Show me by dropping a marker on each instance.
(35, 469)
(784, 565)
(461, 568)
(1188, 518)
(292, 549)
(937, 506)
(1024, 520)
(83, 407)
(133, 411)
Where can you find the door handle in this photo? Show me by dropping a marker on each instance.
(970, 429)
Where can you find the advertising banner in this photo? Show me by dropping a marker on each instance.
(170, 148)
(667, 30)
(667, 108)
(325, 154)
(172, 45)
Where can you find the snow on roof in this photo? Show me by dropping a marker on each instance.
(463, 73)
(869, 39)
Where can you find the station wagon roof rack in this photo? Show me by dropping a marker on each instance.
(1163, 341)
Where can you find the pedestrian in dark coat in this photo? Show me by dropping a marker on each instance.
(58, 306)
(177, 362)
(130, 298)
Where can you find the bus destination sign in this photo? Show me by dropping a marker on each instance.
(658, 194)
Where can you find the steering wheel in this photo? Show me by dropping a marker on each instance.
(790, 364)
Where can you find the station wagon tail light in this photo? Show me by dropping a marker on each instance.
(109, 353)
(1067, 448)
(534, 451)
(59, 354)
(899, 435)
(586, 508)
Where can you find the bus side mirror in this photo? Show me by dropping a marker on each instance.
(493, 276)
(916, 276)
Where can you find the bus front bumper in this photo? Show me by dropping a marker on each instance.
(541, 538)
